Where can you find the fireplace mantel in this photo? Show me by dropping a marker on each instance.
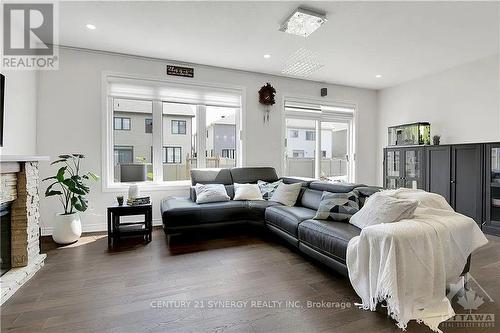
(23, 158)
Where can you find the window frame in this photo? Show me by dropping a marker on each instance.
(121, 118)
(296, 133)
(146, 125)
(123, 147)
(109, 78)
(165, 156)
(313, 135)
(178, 122)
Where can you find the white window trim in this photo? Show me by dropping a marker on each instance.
(351, 129)
(108, 185)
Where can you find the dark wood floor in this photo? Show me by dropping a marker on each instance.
(85, 288)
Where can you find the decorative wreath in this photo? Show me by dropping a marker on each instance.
(266, 94)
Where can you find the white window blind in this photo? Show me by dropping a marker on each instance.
(142, 89)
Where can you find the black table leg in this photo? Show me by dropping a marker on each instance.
(110, 232)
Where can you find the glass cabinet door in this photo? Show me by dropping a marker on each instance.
(393, 169)
(413, 164)
(494, 186)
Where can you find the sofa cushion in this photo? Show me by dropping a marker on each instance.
(267, 189)
(337, 206)
(311, 198)
(206, 193)
(328, 237)
(211, 176)
(257, 208)
(253, 174)
(334, 187)
(287, 194)
(288, 218)
(178, 212)
(229, 191)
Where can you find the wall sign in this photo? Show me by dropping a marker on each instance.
(180, 71)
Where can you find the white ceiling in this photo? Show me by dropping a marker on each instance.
(401, 41)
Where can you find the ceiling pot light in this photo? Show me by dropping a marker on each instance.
(303, 22)
(90, 26)
(267, 56)
(378, 76)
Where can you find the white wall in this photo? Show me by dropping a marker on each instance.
(70, 119)
(462, 105)
(19, 137)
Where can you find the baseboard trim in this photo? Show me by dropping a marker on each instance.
(95, 227)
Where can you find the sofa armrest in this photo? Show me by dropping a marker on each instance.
(292, 180)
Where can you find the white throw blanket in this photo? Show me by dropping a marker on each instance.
(409, 263)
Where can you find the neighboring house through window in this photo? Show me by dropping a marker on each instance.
(298, 153)
(294, 133)
(228, 153)
(148, 124)
(123, 154)
(122, 123)
(310, 135)
(178, 127)
(172, 155)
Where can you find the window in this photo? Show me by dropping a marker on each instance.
(123, 154)
(131, 145)
(298, 154)
(294, 133)
(172, 155)
(331, 128)
(310, 135)
(173, 126)
(122, 124)
(228, 153)
(178, 127)
(148, 124)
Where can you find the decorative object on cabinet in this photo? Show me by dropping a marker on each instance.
(266, 97)
(436, 140)
(410, 134)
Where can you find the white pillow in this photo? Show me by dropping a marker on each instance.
(210, 193)
(381, 208)
(287, 194)
(247, 192)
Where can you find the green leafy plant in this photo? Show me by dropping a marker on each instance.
(69, 185)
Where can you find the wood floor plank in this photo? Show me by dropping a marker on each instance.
(86, 288)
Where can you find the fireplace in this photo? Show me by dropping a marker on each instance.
(5, 232)
(20, 221)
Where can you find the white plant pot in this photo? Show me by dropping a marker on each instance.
(67, 228)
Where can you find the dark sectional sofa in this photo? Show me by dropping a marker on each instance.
(325, 241)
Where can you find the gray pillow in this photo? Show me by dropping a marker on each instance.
(381, 208)
(210, 193)
(287, 194)
(337, 206)
(267, 189)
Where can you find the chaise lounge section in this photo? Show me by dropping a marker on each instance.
(325, 241)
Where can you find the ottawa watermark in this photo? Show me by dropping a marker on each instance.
(470, 299)
(30, 31)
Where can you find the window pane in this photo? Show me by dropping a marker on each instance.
(178, 150)
(221, 137)
(334, 145)
(132, 147)
(300, 150)
(148, 126)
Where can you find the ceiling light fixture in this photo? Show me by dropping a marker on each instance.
(303, 22)
(90, 26)
(267, 56)
(378, 76)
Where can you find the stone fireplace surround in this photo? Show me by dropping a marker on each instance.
(20, 185)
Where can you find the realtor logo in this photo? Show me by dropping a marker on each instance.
(29, 35)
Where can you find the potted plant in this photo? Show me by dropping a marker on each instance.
(71, 188)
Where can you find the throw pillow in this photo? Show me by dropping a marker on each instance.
(382, 208)
(247, 192)
(287, 194)
(337, 206)
(210, 193)
(267, 189)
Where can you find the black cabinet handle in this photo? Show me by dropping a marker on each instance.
(453, 182)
